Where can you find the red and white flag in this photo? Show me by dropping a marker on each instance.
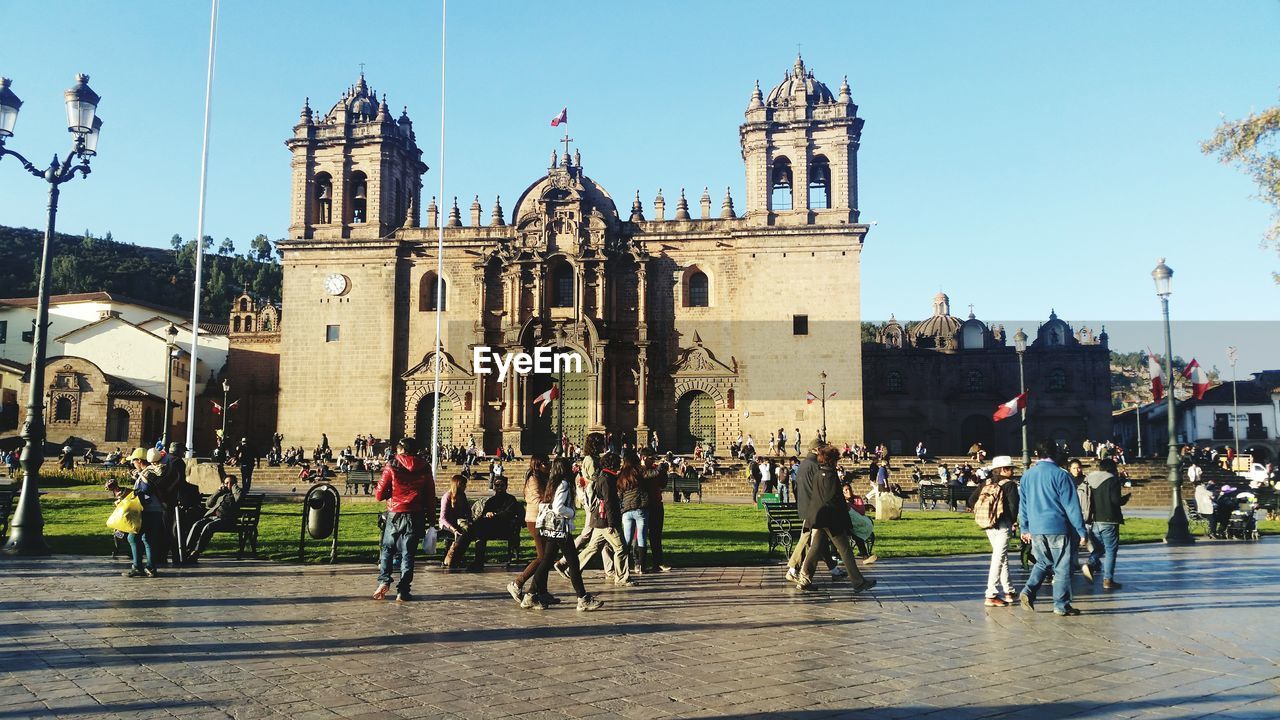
(562, 117)
(809, 398)
(234, 404)
(543, 401)
(1010, 408)
(217, 409)
(1157, 376)
(1198, 377)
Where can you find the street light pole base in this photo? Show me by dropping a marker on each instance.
(26, 544)
(1179, 532)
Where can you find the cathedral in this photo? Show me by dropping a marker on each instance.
(696, 324)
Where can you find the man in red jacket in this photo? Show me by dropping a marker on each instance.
(409, 490)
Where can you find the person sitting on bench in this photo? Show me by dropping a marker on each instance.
(220, 516)
(494, 519)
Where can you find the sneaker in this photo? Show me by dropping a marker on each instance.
(403, 597)
(381, 592)
(864, 586)
(531, 602)
(1087, 572)
(870, 559)
(1068, 612)
(517, 592)
(548, 599)
(149, 572)
(637, 570)
(838, 572)
(792, 575)
(625, 583)
(587, 603)
(1009, 599)
(1026, 601)
(1110, 585)
(806, 586)
(994, 602)
(664, 568)
(132, 574)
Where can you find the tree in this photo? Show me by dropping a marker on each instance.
(260, 248)
(226, 248)
(175, 242)
(1254, 144)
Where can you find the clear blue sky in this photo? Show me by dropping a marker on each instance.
(1019, 156)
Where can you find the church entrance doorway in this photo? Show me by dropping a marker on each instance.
(539, 433)
(977, 429)
(695, 420)
(423, 421)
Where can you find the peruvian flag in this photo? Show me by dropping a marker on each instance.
(809, 398)
(1010, 408)
(1157, 376)
(234, 404)
(217, 409)
(544, 400)
(1198, 377)
(563, 117)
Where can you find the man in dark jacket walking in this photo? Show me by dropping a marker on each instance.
(823, 509)
(1104, 489)
(410, 492)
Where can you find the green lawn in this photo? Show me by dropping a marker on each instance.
(694, 534)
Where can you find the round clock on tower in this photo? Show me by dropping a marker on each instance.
(337, 284)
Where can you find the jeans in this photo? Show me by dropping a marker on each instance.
(246, 478)
(399, 539)
(783, 493)
(999, 571)
(755, 490)
(1106, 540)
(633, 527)
(151, 523)
(657, 516)
(1051, 553)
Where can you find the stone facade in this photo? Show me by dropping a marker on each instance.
(940, 380)
(697, 328)
(86, 407)
(253, 369)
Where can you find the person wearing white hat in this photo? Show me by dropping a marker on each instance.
(995, 509)
(142, 542)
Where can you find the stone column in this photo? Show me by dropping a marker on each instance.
(600, 289)
(539, 273)
(642, 390)
(642, 291)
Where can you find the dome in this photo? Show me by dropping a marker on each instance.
(940, 330)
(815, 92)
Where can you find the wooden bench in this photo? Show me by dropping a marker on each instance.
(782, 522)
(248, 513)
(952, 495)
(356, 478)
(444, 537)
(685, 485)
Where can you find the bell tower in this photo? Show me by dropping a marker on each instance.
(357, 172)
(800, 146)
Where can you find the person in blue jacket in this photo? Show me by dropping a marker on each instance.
(1048, 513)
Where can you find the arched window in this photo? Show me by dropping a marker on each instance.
(466, 401)
(235, 324)
(562, 286)
(975, 381)
(820, 184)
(266, 323)
(62, 409)
(324, 199)
(248, 323)
(699, 289)
(893, 381)
(244, 304)
(428, 292)
(1057, 380)
(728, 398)
(359, 198)
(118, 425)
(781, 182)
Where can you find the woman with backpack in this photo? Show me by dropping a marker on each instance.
(555, 524)
(995, 509)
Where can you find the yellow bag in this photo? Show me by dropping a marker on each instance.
(127, 517)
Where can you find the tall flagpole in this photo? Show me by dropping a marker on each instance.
(435, 411)
(199, 281)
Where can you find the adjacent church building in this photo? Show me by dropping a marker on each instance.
(697, 323)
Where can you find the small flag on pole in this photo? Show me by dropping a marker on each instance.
(235, 404)
(562, 117)
(1198, 377)
(809, 398)
(1010, 408)
(1157, 376)
(217, 409)
(543, 401)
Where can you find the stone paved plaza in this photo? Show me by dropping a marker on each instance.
(1192, 634)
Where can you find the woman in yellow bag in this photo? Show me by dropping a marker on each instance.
(146, 473)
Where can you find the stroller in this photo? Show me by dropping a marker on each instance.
(1243, 525)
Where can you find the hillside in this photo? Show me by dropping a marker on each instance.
(85, 263)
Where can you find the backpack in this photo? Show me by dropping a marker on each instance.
(990, 506)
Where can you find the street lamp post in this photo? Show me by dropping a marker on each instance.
(1137, 411)
(1235, 409)
(1020, 344)
(226, 393)
(170, 349)
(1178, 532)
(823, 375)
(26, 532)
